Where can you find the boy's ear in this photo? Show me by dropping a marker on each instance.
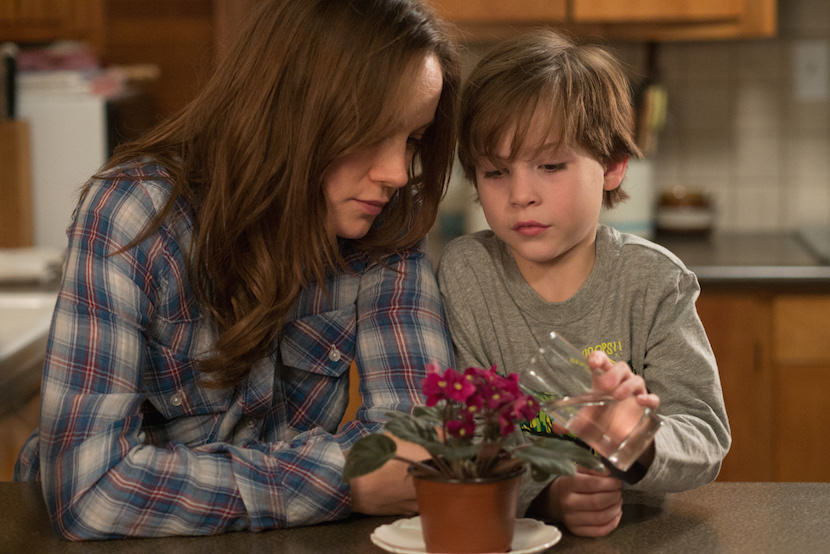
(614, 173)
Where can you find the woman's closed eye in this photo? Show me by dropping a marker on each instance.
(414, 142)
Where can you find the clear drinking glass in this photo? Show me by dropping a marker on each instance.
(559, 376)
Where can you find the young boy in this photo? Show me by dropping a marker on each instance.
(545, 136)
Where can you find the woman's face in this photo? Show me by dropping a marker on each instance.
(359, 185)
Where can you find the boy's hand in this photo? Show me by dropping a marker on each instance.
(588, 503)
(618, 380)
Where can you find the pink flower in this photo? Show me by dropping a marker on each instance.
(463, 428)
(506, 425)
(525, 407)
(460, 387)
(433, 368)
(474, 403)
(435, 388)
(449, 385)
(478, 397)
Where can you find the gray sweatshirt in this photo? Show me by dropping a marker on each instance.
(638, 305)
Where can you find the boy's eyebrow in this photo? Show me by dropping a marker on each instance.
(550, 146)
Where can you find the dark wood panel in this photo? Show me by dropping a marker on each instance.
(802, 417)
(16, 224)
(176, 35)
(738, 327)
(15, 428)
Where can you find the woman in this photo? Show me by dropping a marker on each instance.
(224, 271)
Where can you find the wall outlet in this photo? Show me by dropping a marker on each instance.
(811, 69)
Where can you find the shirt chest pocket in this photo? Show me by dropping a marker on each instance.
(321, 344)
(178, 393)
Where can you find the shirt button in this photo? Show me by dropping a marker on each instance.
(334, 354)
(176, 399)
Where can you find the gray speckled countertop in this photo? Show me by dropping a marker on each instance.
(780, 259)
(720, 517)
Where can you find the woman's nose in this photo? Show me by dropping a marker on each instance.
(391, 164)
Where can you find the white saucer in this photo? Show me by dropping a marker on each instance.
(404, 536)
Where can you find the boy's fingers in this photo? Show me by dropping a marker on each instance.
(648, 399)
(599, 360)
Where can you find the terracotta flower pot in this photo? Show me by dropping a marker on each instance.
(467, 516)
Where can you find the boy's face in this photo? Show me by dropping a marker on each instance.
(546, 206)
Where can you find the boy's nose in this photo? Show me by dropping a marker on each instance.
(391, 164)
(522, 192)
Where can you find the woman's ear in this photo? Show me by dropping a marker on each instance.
(614, 173)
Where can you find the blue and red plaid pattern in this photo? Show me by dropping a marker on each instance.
(132, 444)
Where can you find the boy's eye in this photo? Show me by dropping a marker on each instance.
(552, 168)
(493, 173)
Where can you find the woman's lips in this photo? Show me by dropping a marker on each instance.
(371, 207)
(529, 228)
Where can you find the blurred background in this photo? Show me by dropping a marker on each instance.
(733, 114)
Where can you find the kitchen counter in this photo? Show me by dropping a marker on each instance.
(751, 259)
(25, 317)
(720, 517)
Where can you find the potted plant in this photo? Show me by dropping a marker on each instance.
(470, 427)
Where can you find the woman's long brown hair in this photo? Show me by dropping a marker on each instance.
(308, 81)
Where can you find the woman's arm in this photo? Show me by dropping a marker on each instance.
(101, 475)
(105, 471)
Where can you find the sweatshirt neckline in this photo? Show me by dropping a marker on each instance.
(577, 306)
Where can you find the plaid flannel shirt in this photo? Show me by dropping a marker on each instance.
(131, 444)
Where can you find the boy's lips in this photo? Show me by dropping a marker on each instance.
(529, 228)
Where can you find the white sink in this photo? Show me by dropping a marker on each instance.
(25, 318)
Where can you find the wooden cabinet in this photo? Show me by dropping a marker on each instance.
(774, 365)
(738, 328)
(16, 226)
(801, 385)
(657, 20)
(37, 21)
(490, 11)
(15, 427)
(683, 11)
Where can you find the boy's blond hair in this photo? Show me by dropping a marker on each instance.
(581, 90)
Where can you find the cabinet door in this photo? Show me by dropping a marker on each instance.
(15, 428)
(738, 327)
(802, 383)
(35, 21)
(657, 20)
(685, 11)
(490, 11)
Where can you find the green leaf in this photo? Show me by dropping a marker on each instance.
(543, 465)
(453, 452)
(368, 454)
(431, 413)
(408, 427)
(549, 456)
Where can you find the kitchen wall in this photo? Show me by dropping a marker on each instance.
(737, 126)
(740, 128)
